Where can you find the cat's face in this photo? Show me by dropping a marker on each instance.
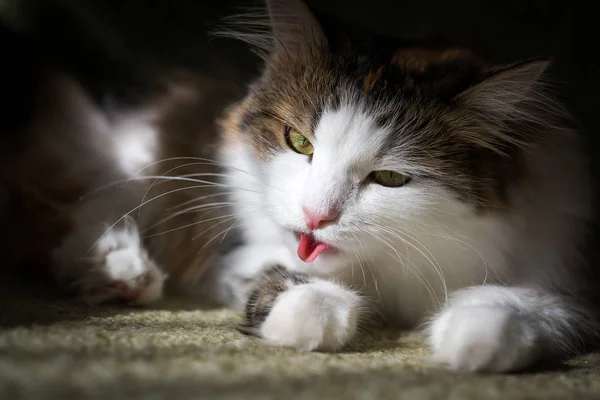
(364, 155)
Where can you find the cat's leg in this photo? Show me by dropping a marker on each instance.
(105, 263)
(504, 329)
(283, 307)
(296, 310)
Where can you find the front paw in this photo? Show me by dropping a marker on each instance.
(491, 339)
(291, 311)
(312, 316)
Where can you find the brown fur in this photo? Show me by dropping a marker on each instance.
(188, 125)
(371, 79)
(420, 59)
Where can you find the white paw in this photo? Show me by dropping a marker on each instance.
(119, 269)
(485, 338)
(314, 316)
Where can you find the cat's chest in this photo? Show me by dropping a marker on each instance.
(409, 284)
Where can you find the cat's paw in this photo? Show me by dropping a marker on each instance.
(312, 316)
(126, 275)
(291, 311)
(484, 338)
(119, 269)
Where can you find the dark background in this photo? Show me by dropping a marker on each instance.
(117, 38)
(110, 45)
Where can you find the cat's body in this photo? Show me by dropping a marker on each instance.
(78, 169)
(352, 183)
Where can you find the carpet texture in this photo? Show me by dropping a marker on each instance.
(55, 348)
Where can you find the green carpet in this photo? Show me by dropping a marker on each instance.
(55, 348)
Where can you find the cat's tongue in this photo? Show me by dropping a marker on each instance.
(309, 249)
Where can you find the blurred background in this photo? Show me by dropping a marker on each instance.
(110, 41)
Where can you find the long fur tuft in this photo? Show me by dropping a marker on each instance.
(251, 25)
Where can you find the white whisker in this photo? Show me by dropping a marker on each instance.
(127, 214)
(415, 271)
(166, 178)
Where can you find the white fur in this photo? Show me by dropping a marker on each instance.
(495, 339)
(343, 159)
(315, 316)
(129, 263)
(135, 144)
(491, 329)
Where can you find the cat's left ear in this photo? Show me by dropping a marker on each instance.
(505, 89)
(296, 30)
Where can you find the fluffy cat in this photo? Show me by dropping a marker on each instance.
(355, 181)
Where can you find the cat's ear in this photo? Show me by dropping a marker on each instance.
(295, 28)
(505, 88)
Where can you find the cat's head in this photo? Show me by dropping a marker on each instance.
(364, 146)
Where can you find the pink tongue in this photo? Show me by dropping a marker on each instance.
(309, 249)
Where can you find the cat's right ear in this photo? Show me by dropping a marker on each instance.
(297, 32)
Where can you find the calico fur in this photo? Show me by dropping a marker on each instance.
(198, 188)
(481, 243)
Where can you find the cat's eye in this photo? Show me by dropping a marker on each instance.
(389, 178)
(298, 142)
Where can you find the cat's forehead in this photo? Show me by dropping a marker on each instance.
(412, 84)
(417, 75)
(392, 81)
(350, 134)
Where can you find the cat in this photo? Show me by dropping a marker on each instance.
(353, 181)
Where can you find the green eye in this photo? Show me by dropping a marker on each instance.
(390, 178)
(298, 142)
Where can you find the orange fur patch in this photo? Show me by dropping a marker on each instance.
(371, 79)
(419, 59)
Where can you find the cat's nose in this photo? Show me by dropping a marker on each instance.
(315, 220)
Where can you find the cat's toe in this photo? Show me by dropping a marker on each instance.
(143, 289)
(125, 274)
(314, 316)
(490, 339)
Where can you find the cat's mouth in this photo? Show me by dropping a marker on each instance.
(309, 247)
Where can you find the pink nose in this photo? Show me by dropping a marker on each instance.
(316, 221)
